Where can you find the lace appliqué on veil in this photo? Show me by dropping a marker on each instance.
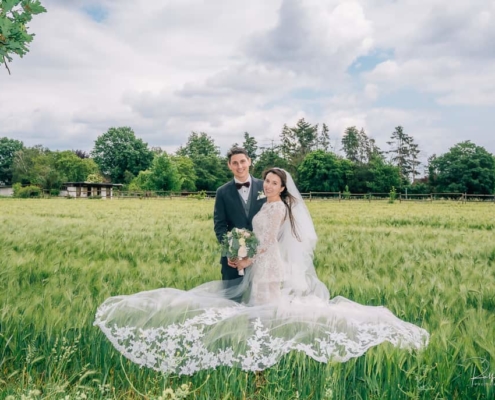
(180, 348)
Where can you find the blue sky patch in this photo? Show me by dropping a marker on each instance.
(96, 12)
(369, 62)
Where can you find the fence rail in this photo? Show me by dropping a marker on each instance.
(310, 196)
(400, 197)
(335, 196)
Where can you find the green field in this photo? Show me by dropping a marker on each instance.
(431, 264)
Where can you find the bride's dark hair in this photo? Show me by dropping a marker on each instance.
(285, 196)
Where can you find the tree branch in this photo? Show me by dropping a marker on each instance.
(6, 65)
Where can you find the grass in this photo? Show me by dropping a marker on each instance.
(431, 264)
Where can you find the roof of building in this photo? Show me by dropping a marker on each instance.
(91, 184)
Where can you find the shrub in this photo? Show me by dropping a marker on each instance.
(27, 191)
(347, 193)
(200, 195)
(16, 187)
(393, 195)
(94, 178)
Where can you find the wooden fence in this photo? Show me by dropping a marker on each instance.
(332, 196)
(310, 196)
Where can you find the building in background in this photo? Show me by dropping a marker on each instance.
(86, 189)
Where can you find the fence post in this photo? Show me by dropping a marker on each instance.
(431, 197)
(340, 196)
(310, 196)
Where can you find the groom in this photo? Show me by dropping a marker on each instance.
(236, 203)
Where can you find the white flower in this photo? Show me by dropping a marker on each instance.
(261, 195)
(242, 242)
(168, 394)
(242, 252)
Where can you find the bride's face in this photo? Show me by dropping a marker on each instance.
(272, 186)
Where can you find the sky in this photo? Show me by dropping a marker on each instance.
(169, 67)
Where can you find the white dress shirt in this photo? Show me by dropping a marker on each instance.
(244, 191)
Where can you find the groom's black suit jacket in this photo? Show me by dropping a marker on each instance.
(230, 213)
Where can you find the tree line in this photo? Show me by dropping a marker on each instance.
(305, 150)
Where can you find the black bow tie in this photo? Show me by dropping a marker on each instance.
(239, 185)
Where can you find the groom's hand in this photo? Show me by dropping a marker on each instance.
(232, 263)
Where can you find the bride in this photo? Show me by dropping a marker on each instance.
(284, 306)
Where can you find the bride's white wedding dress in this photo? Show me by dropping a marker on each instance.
(284, 307)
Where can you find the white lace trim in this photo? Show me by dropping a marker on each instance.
(179, 348)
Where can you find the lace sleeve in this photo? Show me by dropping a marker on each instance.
(275, 215)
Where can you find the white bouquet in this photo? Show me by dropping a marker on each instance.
(239, 243)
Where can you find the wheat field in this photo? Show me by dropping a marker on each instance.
(432, 264)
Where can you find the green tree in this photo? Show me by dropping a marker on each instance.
(323, 172)
(324, 139)
(157, 151)
(269, 158)
(24, 162)
(361, 178)
(141, 182)
(351, 144)
(251, 146)
(94, 178)
(297, 142)
(37, 165)
(211, 169)
(14, 37)
(211, 172)
(187, 174)
(8, 148)
(73, 168)
(80, 153)
(118, 151)
(383, 175)
(164, 174)
(377, 176)
(199, 144)
(465, 168)
(372, 150)
(404, 154)
(367, 148)
(359, 147)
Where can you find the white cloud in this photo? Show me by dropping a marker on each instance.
(443, 48)
(315, 37)
(170, 67)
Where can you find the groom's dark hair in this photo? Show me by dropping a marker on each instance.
(237, 150)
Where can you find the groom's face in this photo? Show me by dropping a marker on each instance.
(239, 165)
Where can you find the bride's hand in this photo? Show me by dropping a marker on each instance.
(242, 264)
